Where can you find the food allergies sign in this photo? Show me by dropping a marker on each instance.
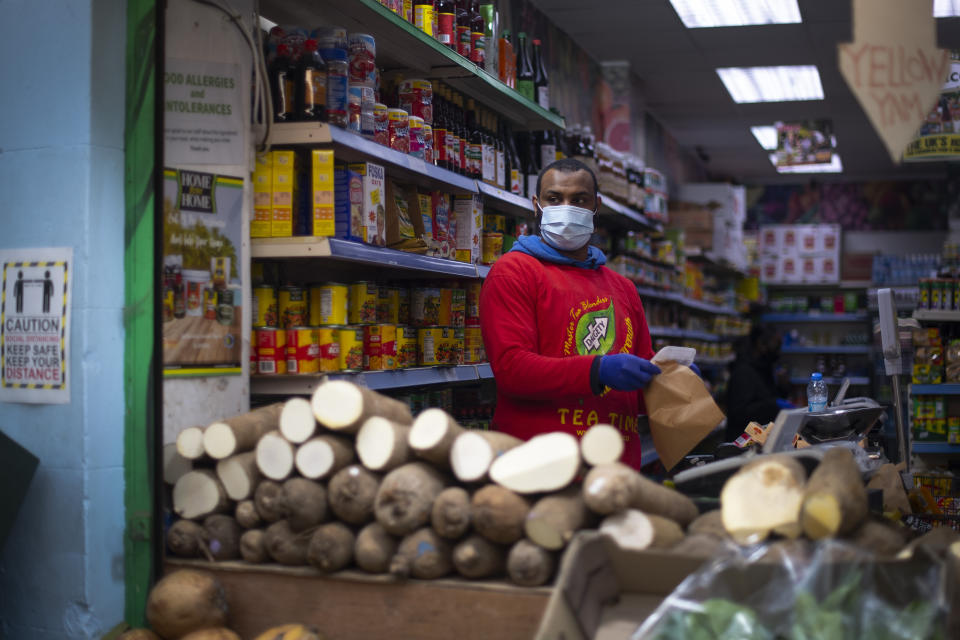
(35, 325)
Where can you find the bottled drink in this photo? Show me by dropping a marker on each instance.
(540, 82)
(501, 155)
(337, 76)
(447, 23)
(283, 85)
(515, 168)
(489, 168)
(311, 84)
(439, 126)
(525, 74)
(463, 28)
(475, 150)
(451, 146)
(816, 392)
(423, 11)
(547, 147)
(478, 42)
(532, 167)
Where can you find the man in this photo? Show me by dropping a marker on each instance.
(754, 392)
(566, 337)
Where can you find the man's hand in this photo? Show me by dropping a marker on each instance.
(626, 372)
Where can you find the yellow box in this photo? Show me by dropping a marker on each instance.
(262, 196)
(321, 179)
(285, 191)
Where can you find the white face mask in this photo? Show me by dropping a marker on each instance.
(566, 227)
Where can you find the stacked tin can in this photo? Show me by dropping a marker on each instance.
(439, 314)
(268, 344)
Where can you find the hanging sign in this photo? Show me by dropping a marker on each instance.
(939, 135)
(893, 66)
(35, 325)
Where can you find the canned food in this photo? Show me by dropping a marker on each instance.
(264, 306)
(350, 340)
(303, 350)
(388, 305)
(416, 98)
(492, 247)
(328, 304)
(406, 347)
(432, 345)
(455, 352)
(372, 354)
(473, 351)
(494, 223)
(453, 307)
(210, 303)
(425, 306)
(363, 297)
(415, 125)
(473, 304)
(381, 134)
(358, 98)
(363, 54)
(328, 340)
(403, 313)
(398, 130)
(292, 303)
(253, 351)
(271, 351)
(388, 345)
(427, 143)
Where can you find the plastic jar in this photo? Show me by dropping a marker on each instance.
(415, 125)
(398, 130)
(337, 84)
(363, 54)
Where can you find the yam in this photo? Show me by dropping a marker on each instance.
(184, 601)
(190, 443)
(199, 493)
(268, 499)
(223, 536)
(423, 555)
(220, 633)
(239, 475)
(291, 632)
(230, 436)
(297, 423)
(450, 516)
(709, 523)
(554, 519)
(253, 546)
(174, 464)
(476, 557)
(764, 496)
(701, 545)
(285, 546)
(473, 452)
(138, 634)
(374, 548)
(547, 462)
(888, 479)
(323, 456)
(382, 444)
(343, 406)
(432, 436)
(405, 498)
(835, 501)
(529, 565)
(275, 456)
(304, 503)
(351, 494)
(601, 444)
(499, 514)
(247, 515)
(331, 547)
(611, 488)
(882, 538)
(186, 538)
(937, 542)
(634, 530)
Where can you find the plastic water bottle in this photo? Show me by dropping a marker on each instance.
(816, 392)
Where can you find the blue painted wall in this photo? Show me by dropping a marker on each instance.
(61, 185)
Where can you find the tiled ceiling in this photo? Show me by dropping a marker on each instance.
(675, 66)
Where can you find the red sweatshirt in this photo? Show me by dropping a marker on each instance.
(543, 325)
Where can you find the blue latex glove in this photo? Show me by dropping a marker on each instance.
(626, 372)
(785, 404)
(696, 369)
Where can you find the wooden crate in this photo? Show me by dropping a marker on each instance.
(351, 605)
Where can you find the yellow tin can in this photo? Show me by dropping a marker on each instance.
(403, 313)
(473, 351)
(363, 302)
(473, 304)
(292, 304)
(271, 351)
(406, 347)
(350, 340)
(264, 306)
(425, 306)
(432, 345)
(453, 307)
(388, 346)
(328, 339)
(303, 350)
(388, 305)
(455, 352)
(328, 304)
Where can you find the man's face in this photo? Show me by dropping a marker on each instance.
(567, 187)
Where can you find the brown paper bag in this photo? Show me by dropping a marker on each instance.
(681, 412)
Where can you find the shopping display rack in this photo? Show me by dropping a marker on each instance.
(942, 494)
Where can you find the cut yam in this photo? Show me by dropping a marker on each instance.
(709, 523)
(186, 538)
(304, 503)
(530, 565)
(882, 538)
(223, 536)
(450, 515)
(184, 601)
(405, 497)
(174, 464)
(291, 632)
(432, 436)
(199, 493)
(554, 519)
(601, 444)
(499, 514)
(476, 557)
(343, 406)
(888, 479)
(473, 452)
(611, 488)
(247, 515)
(351, 494)
(297, 423)
(634, 530)
(285, 546)
(218, 633)
(548, 462)
(764, 496)
(382, 444)
(331, 547)
(323, 456)
(138, 634)
(239, 475)
(374, 548)
(275, 456)
(835, 502)
(423, 555)
(190, 443)
(253, 546)
(268, 499)
(240, 433)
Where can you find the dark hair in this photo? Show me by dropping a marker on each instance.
(567, 165)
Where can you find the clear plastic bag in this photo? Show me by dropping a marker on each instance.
(795, 590)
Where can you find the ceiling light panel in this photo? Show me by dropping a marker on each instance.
(766, 136)
(772, 84)
(834, 166)
(943, 9)
(697, 14)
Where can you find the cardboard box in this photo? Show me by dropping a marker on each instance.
(374, 202)
(348, 203)
(468, 212)
(286, 193)
(404, 220)
(322, 208)
(260, 225)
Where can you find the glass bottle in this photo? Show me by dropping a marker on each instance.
(311, 84)
(541, 82)
(525, 74)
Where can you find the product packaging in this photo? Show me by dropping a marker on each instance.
(348, 198)
(322, 191)
(260, 226)
(374, 199)
(468, 211)
(404, 222)
(286, 193)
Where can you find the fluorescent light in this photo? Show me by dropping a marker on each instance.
(766, 136)
(772, 84)
(944, 9)
(834, 166)
(735, 13)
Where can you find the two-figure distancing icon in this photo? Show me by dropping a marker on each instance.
(47, 291)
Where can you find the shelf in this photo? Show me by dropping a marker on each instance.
(713, 362)
(842, 284)
(653, 262)
(380, 380)
(670, 296)
(624, 216)
(935, 389)
(504, 201)
(829, 350)
(709, 261)
(931, 315)
(337, 249)
(935, 447)
(689, 334)
(815, 317)
(401, 46)
(854, 380)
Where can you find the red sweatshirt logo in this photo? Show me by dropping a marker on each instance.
(592, 328)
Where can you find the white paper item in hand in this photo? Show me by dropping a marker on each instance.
(680, 355)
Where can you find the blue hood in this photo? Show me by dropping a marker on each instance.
(536, 247)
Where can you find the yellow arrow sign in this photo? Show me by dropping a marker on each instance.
(894, 67)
